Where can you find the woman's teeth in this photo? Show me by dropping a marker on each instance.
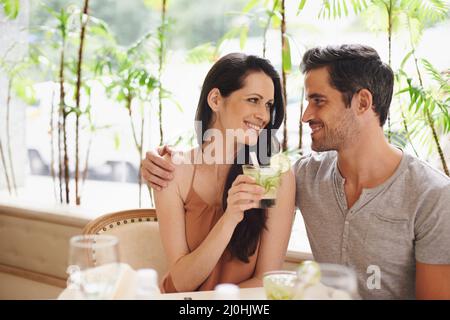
(252, 126)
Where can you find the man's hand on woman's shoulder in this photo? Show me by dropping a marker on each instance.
(157, 170)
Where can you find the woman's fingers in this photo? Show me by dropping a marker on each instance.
(240, 196)
(245, 187)
(243, 179)
(243, 195)
(242, 201)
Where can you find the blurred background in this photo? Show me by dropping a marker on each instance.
(87, 87)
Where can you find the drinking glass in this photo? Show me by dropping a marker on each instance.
(267, 177)
(280, 284)
(336, 282)
(94, 265)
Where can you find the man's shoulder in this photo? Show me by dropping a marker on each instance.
(423, 175)
(315, 160)
(429, 185)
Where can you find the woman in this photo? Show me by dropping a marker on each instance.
(211, 227)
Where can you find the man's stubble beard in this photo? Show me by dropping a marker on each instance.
(344, 134)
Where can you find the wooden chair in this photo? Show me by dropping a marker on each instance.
(138, 233)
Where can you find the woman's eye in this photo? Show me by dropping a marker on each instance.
(269, 105)
(253, 100)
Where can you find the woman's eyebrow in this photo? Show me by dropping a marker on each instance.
(255, 94)
(259, 96)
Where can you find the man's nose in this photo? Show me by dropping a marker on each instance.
(308, 114)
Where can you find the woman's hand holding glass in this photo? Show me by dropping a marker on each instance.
(243, 195)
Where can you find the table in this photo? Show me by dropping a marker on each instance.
(244, 293)
(124, 289)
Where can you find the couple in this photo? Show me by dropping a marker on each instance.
(366, 204)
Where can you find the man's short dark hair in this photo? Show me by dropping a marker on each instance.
(353, 67)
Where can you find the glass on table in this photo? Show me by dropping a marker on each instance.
(267, 177)
(280, 284)
(94, 265)
(325, 281)
(312, 281)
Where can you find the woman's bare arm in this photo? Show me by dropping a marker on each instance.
(275, 239)
(189, 270)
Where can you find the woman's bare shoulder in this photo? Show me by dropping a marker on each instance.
(183, 162)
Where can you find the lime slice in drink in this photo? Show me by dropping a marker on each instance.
(281, 161)
(309, 272)
(280, 286)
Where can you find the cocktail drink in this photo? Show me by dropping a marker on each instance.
(311, 281)
(267, 177)
(323, 281)
(280, 284)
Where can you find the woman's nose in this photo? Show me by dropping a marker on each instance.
(263, 115)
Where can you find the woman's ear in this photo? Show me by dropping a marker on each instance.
(214, 99)
(364, 101)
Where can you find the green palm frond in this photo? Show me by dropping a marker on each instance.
(250, 5)
(11, 8)
(424, 101)
(442, 79)
(428, 11)
(202, 53)
(339, 8)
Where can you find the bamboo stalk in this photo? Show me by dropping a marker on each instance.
(266, 27)
(283, 73)
(84, 21)
(62, 109)
(133, 129)
(149, 189)
(161, 62)
(60, 166)
(86, 165)
(389, 11)
(300, 124)
(5, 171)
(405, 125)
(140, 161)
(52, 146)
(8, 137)
(88, 152)
(430, 121)
(139, 146)
(408, 135)
(66, 157)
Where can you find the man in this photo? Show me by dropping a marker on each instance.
(366, 204)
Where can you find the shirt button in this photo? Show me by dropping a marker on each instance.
(346, 222)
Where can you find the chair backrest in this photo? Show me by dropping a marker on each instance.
(139, 240)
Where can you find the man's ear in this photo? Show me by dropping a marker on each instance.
(364, 101)
(214, 99)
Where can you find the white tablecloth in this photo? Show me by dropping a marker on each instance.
(126, 286)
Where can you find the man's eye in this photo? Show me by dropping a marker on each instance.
(318, 101)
